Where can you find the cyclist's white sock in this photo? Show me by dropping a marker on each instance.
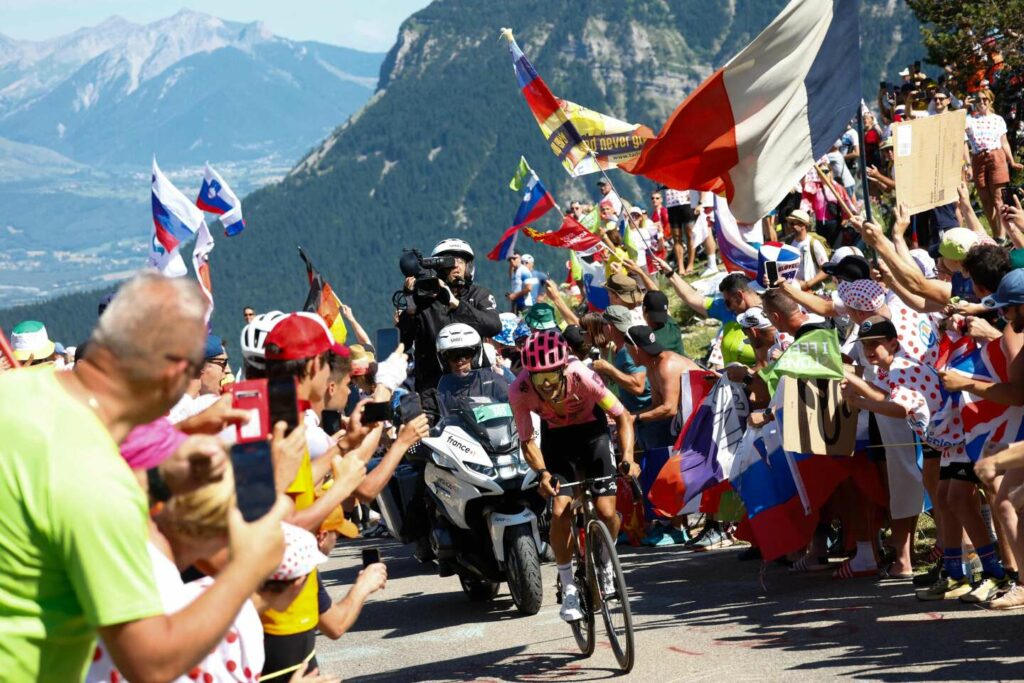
(565, 575)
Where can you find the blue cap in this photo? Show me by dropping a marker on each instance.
(214, 347)
(1009, 292)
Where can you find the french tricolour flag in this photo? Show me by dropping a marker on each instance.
(175, 218)
(758, 123)
(217, 197)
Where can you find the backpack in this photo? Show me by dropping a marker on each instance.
(824, 243)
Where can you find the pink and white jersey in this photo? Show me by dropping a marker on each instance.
(584, 391)
(985, 133)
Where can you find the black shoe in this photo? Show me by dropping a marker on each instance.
(424, 553)
(929, 577)
(751, 553)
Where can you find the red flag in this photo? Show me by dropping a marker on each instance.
(572, 235)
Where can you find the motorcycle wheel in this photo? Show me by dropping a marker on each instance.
(523, 569)
(479, 590)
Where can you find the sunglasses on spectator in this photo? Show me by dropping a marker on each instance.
(219, 362)
(460, 354)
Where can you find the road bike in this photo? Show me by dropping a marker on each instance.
(600, 584)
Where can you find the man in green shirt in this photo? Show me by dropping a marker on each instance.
(666, 331)
(73, 519)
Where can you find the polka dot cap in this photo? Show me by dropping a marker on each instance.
(301, 554)
(864, 295)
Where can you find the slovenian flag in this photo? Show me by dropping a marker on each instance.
(757, 124)
(217, 197)
(175, 218)
(536, 202)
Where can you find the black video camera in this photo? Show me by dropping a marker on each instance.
(425, 269)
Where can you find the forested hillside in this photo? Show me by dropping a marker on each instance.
(431, 154)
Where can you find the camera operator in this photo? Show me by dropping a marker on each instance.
(434, 301)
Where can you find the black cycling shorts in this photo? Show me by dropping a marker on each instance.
(961, 471)
(580, 452)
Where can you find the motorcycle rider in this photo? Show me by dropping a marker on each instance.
(460, 350)
(459, 300)
(572, 402)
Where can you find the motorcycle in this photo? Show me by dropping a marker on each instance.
(483, 503)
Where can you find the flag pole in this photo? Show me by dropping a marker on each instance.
(863, 162)
(828, 183)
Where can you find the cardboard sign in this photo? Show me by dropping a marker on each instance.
(815, 419)
(929, 160)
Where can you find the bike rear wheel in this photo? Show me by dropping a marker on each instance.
(608, 588)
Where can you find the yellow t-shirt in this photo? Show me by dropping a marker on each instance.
(302, 615)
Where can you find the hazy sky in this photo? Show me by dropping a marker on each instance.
(354, 23)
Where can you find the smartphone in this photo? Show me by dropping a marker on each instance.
(387, 342)
(254, 478)
(251, 396)
(330, 421)
(883, 85)
(1008, 193)
(377, 412)
(370, 556)
(283, 402)
(771, 273)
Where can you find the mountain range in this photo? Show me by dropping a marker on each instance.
(430, 154)
(81, 115)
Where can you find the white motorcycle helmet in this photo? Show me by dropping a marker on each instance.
(254, 336)
(459, 336)
(457, 247)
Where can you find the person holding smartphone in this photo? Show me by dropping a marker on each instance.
(991, 157)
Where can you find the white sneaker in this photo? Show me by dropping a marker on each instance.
(708, 272)
(607, 576)
(570, 606)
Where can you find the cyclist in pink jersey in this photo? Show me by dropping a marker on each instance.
(572, 402)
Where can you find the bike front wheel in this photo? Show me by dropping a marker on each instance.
(610, 595)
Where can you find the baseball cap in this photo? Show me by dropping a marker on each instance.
(626, 287)
(842, 252)
(619, 317)
(656, 306)
(800, 216)
(636, 209)
(1009, 292)
(755, 318)
(301, 554)
(214, 346)
(643, 338)
(849, 268)
(956, 242)
(877, 327)
(298, 336)
(863, 295)
(573, 335)
(527, 258)
(905, 72)
(601, 182)
(540, 317)
(29, 339)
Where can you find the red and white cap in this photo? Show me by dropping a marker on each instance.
(301, 335)
(301, 554)
(863, 295)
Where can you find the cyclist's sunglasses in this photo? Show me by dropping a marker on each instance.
(552, 377)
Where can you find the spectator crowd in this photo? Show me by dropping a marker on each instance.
(123, 555)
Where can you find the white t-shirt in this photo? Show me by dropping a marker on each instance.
(613, 199)
(812, 252)
(984, 133)
(187, 406)
(522, 276)
(317, 440)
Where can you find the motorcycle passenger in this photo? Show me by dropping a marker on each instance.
(572, 402)
(460, 350)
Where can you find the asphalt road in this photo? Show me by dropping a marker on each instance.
(698, 617)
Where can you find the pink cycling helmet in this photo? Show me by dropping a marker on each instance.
(545, 350)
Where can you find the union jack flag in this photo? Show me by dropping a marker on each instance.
(986, 421)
